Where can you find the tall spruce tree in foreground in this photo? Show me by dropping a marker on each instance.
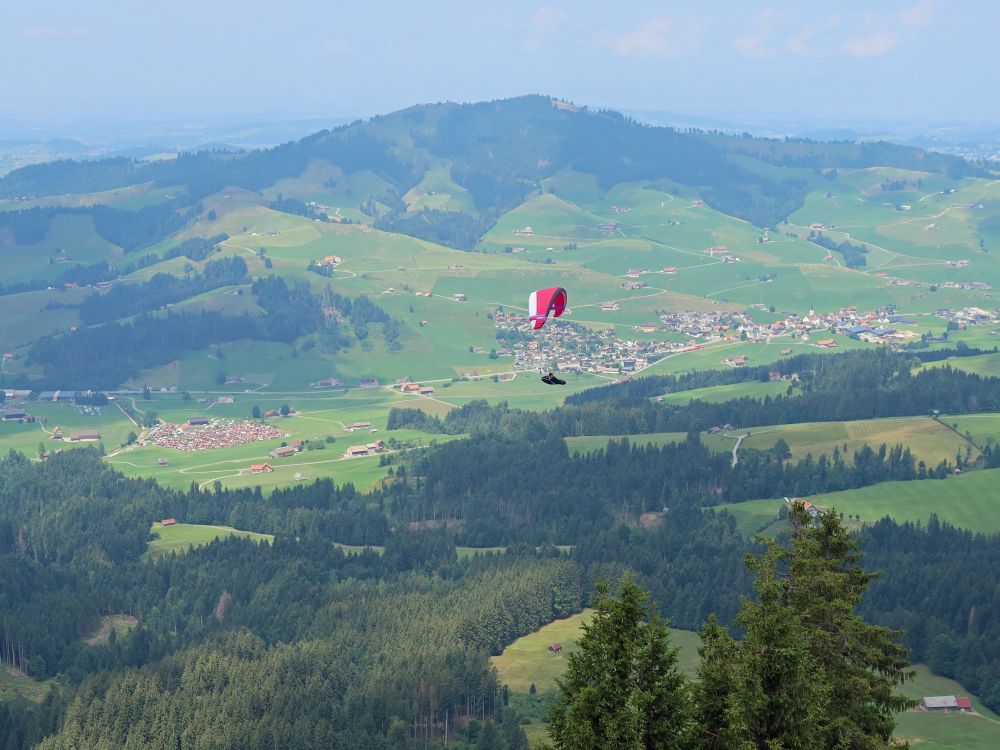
(863, 663)
(622, 689)
(809, 672)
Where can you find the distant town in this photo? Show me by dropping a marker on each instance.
(574, 348)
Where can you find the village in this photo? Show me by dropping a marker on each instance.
(573, 348)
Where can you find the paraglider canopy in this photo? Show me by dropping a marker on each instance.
(545, 302)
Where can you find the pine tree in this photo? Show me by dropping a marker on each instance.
(622, 689)
(863, 663)
(779, 690)
(713, 691)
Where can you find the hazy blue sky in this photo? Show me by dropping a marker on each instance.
(927, 59)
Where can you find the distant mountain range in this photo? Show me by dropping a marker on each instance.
(499, 152)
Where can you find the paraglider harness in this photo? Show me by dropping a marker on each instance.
(551, 379)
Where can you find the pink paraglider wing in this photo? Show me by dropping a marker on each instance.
(545, 302)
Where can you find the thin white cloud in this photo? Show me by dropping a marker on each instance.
(865, 34)
(920, 15)
(874, 44)
(547, 17)
(758, 43)
(661, 38)
(543, 23)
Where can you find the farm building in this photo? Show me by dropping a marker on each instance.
(195, 421)
(283, 452)
(261, 468)
(299, 477)
(227, 400)
(368, 382)
(939, 703)
(427, 391)
(168, 522)
(808, 507)
(827, 344)
(11, 416)
(555, 648)
(410, 388)
(161, 462)
(357, 450)
(84, 436)
(377, 447)
(352, 426)
(57, 433)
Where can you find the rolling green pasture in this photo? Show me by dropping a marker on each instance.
(926, 731)
(183, 536)
(27, 316)
(928, 439)
(987, 365)
(970, 501)
(527, 660)
(982, 429)
(113, 425)
(70, 235)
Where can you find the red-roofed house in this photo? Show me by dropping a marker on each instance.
(168, 522)
(964, 704)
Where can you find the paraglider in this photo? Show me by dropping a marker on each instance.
(545, 302)
(551, 379)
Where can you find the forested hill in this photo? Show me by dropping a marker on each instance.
(499, 152)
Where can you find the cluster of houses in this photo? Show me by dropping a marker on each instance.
(968, 316)
(721, 252)
(872, 326)
(419, 390)
(369, 449)
(200, 433)
(571, 348)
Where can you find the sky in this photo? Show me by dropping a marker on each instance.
(838, 62)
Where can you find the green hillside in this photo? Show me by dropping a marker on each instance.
(967, 501)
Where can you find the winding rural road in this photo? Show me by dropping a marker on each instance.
(736, 449)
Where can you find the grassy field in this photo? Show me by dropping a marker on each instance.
(183, 536)
(527, 660)
(969, 501)
(927, 731)
(981, 429)
(987, 365)
(928, 439)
